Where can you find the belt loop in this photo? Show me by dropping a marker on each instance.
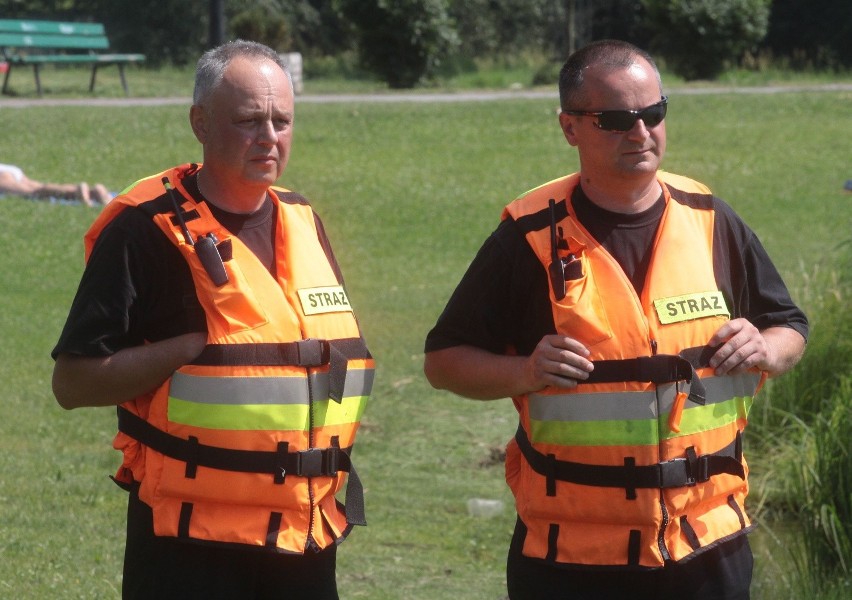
(552, 542)
(692, 467)
(337, 365)
(273, 528)
(184, 519)
(630, 477)
(551, 475)
(634, 544)
(281, 463)
(332, 457)
(192, 457)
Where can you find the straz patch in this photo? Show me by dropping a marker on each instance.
(691, 306)
(320, 300)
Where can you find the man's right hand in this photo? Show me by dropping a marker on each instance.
(557, 361)
(476, 373)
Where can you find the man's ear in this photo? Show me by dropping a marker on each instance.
(198, 122)
(568, 124)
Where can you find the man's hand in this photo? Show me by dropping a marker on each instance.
(476, 373)
(558, 361)
(743, 347)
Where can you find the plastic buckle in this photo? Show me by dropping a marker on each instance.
(309, 463)
(313, 352)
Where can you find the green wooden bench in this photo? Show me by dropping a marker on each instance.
(38, 43)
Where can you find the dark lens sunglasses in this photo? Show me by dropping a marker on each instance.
(624, 120)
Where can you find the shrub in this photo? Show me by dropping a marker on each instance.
(260, 25)
(401, 41)
(699, 38)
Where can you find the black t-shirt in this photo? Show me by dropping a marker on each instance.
(137, 286)
(503, 299)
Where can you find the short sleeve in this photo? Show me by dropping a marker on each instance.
(502, 303)
(136, 287)
(748, 277)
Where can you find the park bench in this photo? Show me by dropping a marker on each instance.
(37, 43)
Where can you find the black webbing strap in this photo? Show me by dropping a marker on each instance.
(303, 353)
(634, 545)
(660, 368)
(315, 462)
(679, 472)
(689, 533)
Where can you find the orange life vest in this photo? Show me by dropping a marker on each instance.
(643, 462)
(250, 442)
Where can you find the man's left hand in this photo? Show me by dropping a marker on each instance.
(742, 347)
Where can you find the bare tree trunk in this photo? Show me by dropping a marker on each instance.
(217, 23)
(572, 26)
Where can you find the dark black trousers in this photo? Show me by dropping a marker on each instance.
(157, 568)
(721, 573)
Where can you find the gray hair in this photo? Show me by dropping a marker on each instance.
(611, 54)
(212, 64)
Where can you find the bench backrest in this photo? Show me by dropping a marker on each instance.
(52, 34)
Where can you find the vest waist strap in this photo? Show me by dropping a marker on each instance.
(679, 472)
(314, 462)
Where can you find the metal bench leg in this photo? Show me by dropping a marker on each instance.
(37, 78)
(92, 81)
(123, 80)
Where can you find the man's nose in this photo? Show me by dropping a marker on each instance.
(267, 133)
(639, 130)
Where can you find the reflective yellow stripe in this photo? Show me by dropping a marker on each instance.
(264, 390)
(575, 419)
(265, 403)
(637, 432)
(266, 417)
(628, 406)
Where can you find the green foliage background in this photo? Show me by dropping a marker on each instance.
(415, 42)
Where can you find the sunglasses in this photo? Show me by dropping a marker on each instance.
(624, 120)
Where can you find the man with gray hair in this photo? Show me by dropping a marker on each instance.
(213, 314)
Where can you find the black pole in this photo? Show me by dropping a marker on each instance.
(217, 23)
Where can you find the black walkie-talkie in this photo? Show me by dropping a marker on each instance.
(560, 270)
(205, 246)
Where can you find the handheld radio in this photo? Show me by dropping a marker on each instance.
(205, 245)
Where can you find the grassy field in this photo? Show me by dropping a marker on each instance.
(408, 192)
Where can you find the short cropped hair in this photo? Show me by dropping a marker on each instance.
(612, 54)
(212, 64)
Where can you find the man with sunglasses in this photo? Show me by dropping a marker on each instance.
(631, 316)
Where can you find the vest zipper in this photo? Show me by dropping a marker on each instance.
(310, 543)
(661, 535)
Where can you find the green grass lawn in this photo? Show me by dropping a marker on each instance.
(408, 192)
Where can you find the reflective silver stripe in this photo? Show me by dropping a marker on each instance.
(630, 406)
(264, 390)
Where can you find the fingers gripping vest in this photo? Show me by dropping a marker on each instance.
(643, 462)
(250, 442)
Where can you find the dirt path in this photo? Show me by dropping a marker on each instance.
(472, 96)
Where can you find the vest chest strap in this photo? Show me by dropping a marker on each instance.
(658, 369)
(303, 353)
